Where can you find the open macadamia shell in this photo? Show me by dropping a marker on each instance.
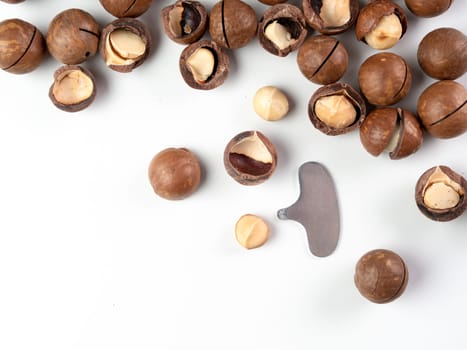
(125, 44)
(287, 32)
(204, 65)
(184, 21)
(336, 109)
(250, 158)
(126, 8)
(73, 89)
(376, 20)
(440, 194)
(22, 46)
(330, 16)
(394, 130)
(442, 108)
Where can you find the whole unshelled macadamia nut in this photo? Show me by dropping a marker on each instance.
(175, 173)
(381, 276)
(126, 8)
(270, 103)
(22, 46)
(423, 8)
(440, 194)
(73, 36)
(251, 231)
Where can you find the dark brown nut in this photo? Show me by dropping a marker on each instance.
(381, 24)
(442, 54)
(322, 59)
(126, 8)
(250, 158)
(282, 29)
(381, 276)
(185, 21)
(12, 1)
(392, 130)
(384, 78)
(330, 16)
(22, 46)
(272, 2)
(336, 109)
(125, 44)
(440, 194)
(73, 36)
(204, 65)
(175, 173)
(73, 89)
(232, 23)
(442, 108)
(423, 8)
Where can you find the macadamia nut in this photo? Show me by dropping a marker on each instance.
(201, 62)
(270, 103)
(251, 231)
(386, 34)
(335, 111)
(335, 13)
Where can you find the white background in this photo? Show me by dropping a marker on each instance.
(91, 258)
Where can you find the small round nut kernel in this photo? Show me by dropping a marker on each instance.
(251, 231)
(335, 111)
(270, 103)
(201, 63)
(386, 34)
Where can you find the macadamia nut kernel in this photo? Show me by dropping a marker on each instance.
(72, 87)
(386, 34)
(123, 47)
(335, 13)
(279, 35)
(270, 103)
(251, 231)
(441, 192)
(335, 111)
(201, 62)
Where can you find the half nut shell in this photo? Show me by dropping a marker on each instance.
(330, 16)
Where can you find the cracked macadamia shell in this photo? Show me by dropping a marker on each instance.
(392, 130)
(381, 276)
(250, 158)
(336, 109)
(73, 89)
(381, 24)
(126, 8)
(22, 46)
(440, 194)
(330, 16)
(384, 78)
(184, 21)
(125, 44)
(174, 173)
(282, 29)
(73, 36)
(442, 54)
(442, 108)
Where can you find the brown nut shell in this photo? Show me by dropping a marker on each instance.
(219, 66)
(373, 12)
(322, 59)
(12, 1)
(126, 8)
(442, 54)
(184, 21)
(423, 8)
(114, 52)
(451, 182)
(291, 19)
(384, 78)
(347, 94)
(22, 46)
(232, 23)
(272, 2)
(250, 158)
(381, 276)
(321, 17)
(73, 36)
(73, 89)
(174, 173)
(442, 108)
(393, 130)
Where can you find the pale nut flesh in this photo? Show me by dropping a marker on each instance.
(335, 111)
(251, 231)
(396, 136)
(279, 35)
(201, 63)
(441, 192)
(72, 87)
(270, 103)
(253, 148)
(123, 47)
(335, 13)
(386, 34)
